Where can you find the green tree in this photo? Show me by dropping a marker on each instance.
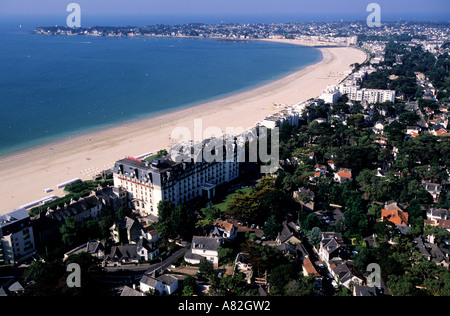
(314, 236)
(235, 285)
(279, 277)
(206, 267)
(70, 232)
(90, 271)
(210, 213)
(190, 286)
(243, 207)
(402, 285)
(271, 228)
(304, 286)
(262, 258)
(225, 255)
(409, 118)
(175, 220)
(356, 120)
(310, 222)
(46, 277)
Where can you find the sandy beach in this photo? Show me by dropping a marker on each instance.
(26, 174)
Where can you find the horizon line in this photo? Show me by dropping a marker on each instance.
(287, 17)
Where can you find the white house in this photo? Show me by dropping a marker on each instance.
(434, 189)
(164, 284)
(344, 275)
(343, 175)
(204, 247)
(378, 128)
(223, 229)
(147, 250)
(332, 246)
(413, 130)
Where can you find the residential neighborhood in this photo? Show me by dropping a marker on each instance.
(362, 181)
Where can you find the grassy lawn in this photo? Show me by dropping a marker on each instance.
(222, 205)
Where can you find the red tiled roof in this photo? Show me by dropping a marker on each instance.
(443, 223)
(395, 216)
(224, 225)
(442, 132)
(344, 174)
(309, 268)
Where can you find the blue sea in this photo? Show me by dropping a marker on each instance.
(53, 87)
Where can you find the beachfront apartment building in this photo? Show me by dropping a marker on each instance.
(356, 93)
(16, 237)
(178, 177)
(330, 95)
(372, 96)
(291, 115)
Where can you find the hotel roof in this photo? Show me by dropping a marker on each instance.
(12, 217)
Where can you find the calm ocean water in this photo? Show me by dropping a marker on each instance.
(52, 87)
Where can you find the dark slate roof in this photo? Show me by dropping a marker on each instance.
(344, 272)
(12, 217)
(125, 252)
(441, 213)
(3, 292)
(286, 233)
(206, 243)
(434, 187)
(332, 241)
(437, 254)
(165, 166)
(365, 291)
(420, 247)
(150, 246)
(128, 291)
(152, 282)
(74, 208)
(167, 279)
(189, 255)
(94, 246)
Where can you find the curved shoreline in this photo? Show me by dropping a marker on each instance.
(27, 173)
(163, 117)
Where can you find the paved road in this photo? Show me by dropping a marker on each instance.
(149, 268)
(168, 261)
(422, 123)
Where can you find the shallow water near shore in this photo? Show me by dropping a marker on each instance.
(54, 87)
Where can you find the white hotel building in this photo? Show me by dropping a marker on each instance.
(177, 178)
(356, 93)
(16, 237)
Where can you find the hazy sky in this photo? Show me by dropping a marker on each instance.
(300, 9)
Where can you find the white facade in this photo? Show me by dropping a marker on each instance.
(166, 179)
(355, 93)
(204, 247)
(271, 122)
(16, 237)
(330, 95)
(164, 284)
